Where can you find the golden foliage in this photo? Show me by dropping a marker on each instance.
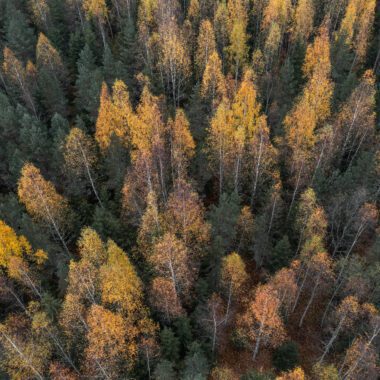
(295, 374)
(40, 197)
(115, 115)
(205, 45)
(164, 298)
(107, 349)
(313, 107)
(79, 151)
(233, 274)
(95, 8)
(47, 55)
(182, 144)
(213, 81)
(261, 322)
(120, 285)
(184, 217)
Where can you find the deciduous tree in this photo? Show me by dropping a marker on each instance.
(261, 322)
(43, 202)
(233, 276)
(80, 157)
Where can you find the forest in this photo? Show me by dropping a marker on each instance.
(190, 189)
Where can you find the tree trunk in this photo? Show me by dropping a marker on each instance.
(332, 339)
(311, 299)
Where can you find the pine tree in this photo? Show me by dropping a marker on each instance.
(88, 83)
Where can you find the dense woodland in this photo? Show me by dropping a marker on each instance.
(189, 189)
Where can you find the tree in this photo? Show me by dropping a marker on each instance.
(239, 140)
(355, 27)
(41, 13)
(214, 317)
(20, 77)
(80, 156)
(149, 155)
(238, 37)
(304, 20)
(164, 298)
(169, 344)
(278, 12)
(325, 372)
(19, 34)
(310, 220)
(48, 57)
(205, 46)
(26, 351)
(182, 145)
(286, 356)
(296, 374)
(261, 322)
(311, 109)
(233, 276)
(196, 365)
(282, 254)
(88, 83)
(221, 23)
(184, 217)
(107, 351)
(220, 143)
(346, 314)
(43, 202)
(320, 273)
(284, 282)
(223, 219)
(173, 59)
(213, 81)
(97, 9)
(114, 116)
(150, 227)
(164, 371)
(120, 285)
(355, 122)
(245, 230)
(360, 360)
(11, 244)
(171, 259)
(20, 261)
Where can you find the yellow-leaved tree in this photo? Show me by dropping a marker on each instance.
(115, 115)
(43, 202)
(310, 111)
(80, 156)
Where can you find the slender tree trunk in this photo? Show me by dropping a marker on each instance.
(257, 169)
(311, 299)
(295, 190)
(332, 339)
(257, 346)
(90, 176)
(339, 280)
(21, 354)
(228, 303)
(300, 289)
(148, 362)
